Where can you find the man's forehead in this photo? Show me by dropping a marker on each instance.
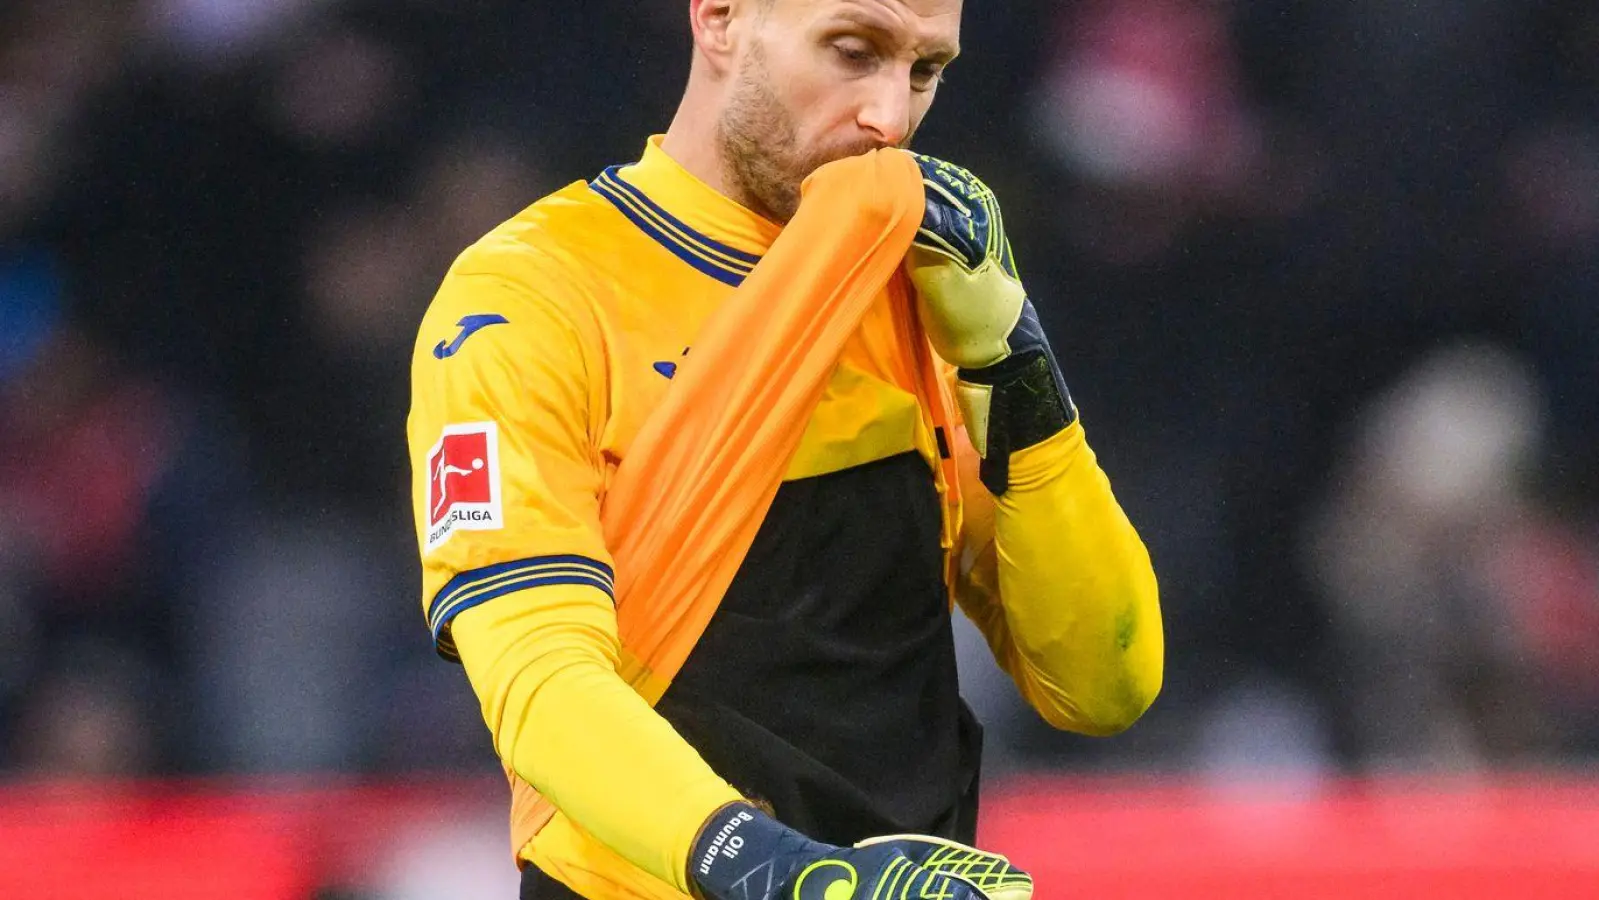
(925, 20)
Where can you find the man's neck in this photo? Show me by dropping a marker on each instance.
(691, 141)
(694, 142)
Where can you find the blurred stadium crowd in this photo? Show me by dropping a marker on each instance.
(1324, 277)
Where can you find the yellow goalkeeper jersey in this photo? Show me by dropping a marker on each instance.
(548, 346)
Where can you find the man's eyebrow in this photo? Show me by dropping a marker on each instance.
(941, 53)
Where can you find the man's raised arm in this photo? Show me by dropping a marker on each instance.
(1053, 572)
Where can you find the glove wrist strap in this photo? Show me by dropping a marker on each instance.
(1027, 404)
(743, 852)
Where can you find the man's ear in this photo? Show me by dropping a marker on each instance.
(713, 23)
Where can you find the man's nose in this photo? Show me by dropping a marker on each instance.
(886, 110)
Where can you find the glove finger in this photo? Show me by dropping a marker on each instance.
(990, 873)
(927, 885)
(930, 241)
(1012, 890)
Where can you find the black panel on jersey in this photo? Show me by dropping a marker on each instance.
(538, 886)
(825, 684)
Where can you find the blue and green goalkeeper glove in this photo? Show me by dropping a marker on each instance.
(744, 854)
(977, 315)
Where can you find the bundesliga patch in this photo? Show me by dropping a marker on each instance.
(464, 493)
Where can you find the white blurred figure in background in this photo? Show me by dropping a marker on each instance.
(1429, 512)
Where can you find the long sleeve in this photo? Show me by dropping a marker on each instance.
(1055, 576)
(543, 663)
(518, 581)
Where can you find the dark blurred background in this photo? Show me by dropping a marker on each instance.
(1324, 277)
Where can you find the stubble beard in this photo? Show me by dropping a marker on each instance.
(760, 146)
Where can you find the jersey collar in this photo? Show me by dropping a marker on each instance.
(706, 229)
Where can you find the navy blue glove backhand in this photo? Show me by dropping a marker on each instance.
(744, 854)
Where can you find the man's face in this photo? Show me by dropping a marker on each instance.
(821, 80)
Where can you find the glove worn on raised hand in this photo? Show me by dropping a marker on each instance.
(744, 854)
(977, 315)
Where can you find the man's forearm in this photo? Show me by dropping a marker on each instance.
(543, 665)
(1078, 608)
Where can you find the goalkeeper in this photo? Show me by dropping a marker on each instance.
(812, 742)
